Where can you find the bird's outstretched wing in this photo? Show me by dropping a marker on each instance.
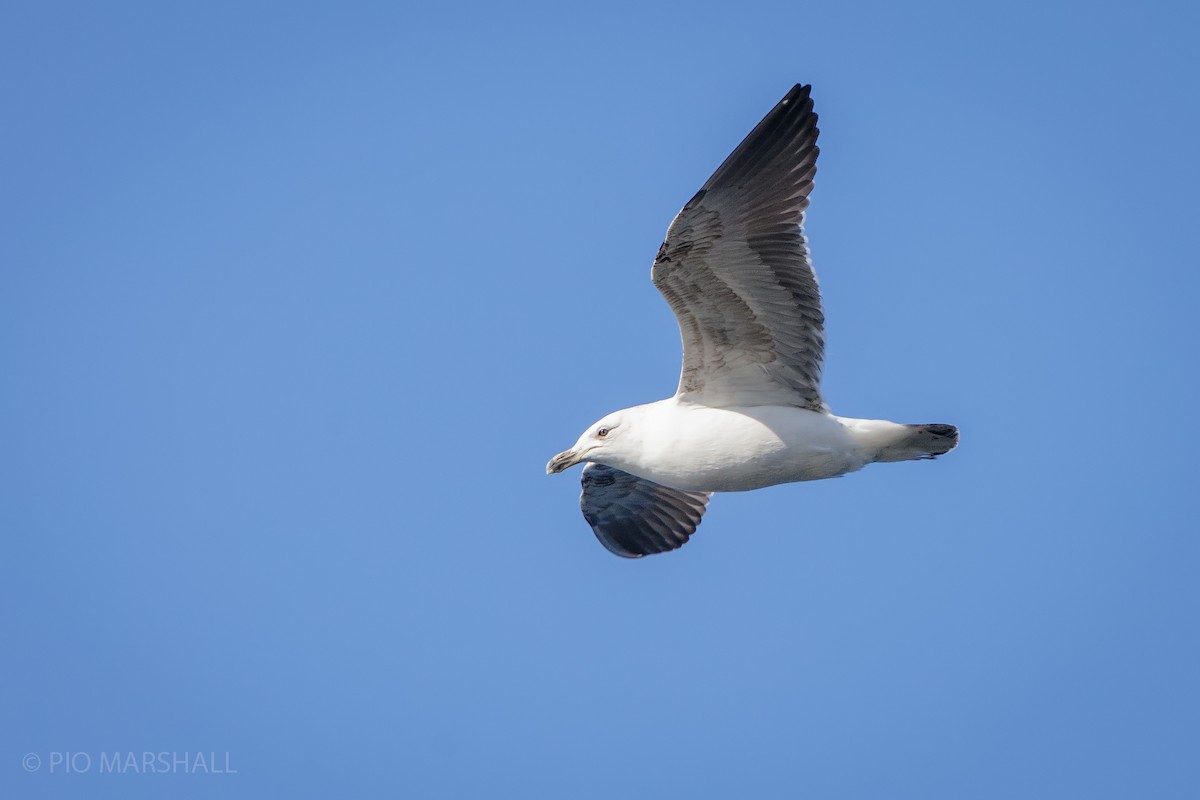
(634, 517)
(736, 271)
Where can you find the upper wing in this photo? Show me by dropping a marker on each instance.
(736, 271)
(634, 517)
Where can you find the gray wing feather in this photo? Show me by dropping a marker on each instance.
(634, 517)
(735, 269)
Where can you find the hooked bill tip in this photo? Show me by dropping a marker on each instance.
(561, 462)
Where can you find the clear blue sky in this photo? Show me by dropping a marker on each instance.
(297, 300)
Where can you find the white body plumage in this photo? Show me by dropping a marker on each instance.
(700, 448)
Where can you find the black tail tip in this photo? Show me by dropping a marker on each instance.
(945, 431)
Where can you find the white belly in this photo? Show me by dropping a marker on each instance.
(703, 449)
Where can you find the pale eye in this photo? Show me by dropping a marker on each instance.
(602, 432)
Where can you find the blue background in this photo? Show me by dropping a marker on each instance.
(297, 300)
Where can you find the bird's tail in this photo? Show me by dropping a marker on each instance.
(909, 442)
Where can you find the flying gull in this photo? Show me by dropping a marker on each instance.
(748, 413)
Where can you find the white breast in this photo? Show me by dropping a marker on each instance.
(704, 449)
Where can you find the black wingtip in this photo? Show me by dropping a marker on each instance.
(790, 126)
(797, 94)
(797, 91)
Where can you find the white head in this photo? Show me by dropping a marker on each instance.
(604, 442)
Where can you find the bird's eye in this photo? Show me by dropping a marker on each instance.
(602, 432)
